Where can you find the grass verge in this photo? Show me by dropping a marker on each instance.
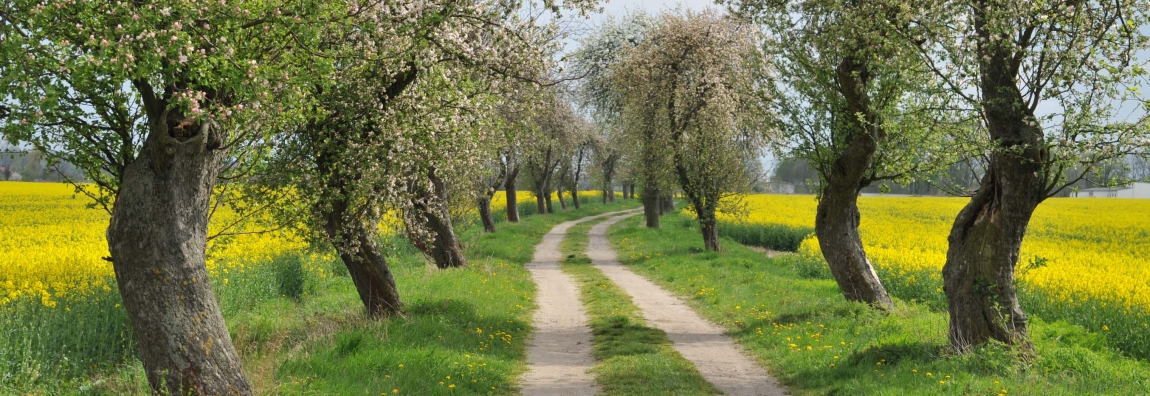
(818, 343)
(633, 359)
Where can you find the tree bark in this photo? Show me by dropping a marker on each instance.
(157, 237)
(541, 206)
(836, 225)
(611, 194)
(368, 268)
(547, 200)
(710, 228)
(484, 202)
(978, 277)
(512, 197)
(837, 217)
(651, 207)
(604, 196)
(446, 250)
(562, 202)
(575, 196)
(668, 203)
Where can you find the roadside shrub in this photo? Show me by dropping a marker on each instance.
(290, 276)
(770, 236)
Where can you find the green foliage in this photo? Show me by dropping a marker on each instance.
(772, 307)
(290, 276)
(770, 236)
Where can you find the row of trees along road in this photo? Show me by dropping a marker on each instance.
(322, 117)
(1029, 97)
(314, 115)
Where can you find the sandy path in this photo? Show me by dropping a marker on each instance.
(559, 353)
(722, 362)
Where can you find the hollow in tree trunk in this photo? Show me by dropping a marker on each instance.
(512, 197)
(157, 237)
(836, 225)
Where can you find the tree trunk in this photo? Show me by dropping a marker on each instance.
(575, 196)
(512, 197)
(651, 207)
(604, 195)
(611, 194)
(446, 250)
(562, 202)
(710, 227)
(668, 203)
(157, 237)
(837, 217)
(368, 268)
(547, 200)
(484, 202)
(836, 225)
(978, 277)
(540, 204)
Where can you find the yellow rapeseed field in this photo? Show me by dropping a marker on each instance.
(1095, 251)
(51, 244)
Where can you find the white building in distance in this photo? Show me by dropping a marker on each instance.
(1136, 190)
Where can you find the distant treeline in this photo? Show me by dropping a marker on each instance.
(31, 165)
(960, 177)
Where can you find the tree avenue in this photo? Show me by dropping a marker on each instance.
(327, 120)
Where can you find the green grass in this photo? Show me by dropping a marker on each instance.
(304, 336)
(817, 343)
(633, 359)
(464, 327)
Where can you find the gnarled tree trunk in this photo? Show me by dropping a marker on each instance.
(355, 243)
(836, 225)
(445, 250)
(978, 277)
(837, 217)
(157, 237)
